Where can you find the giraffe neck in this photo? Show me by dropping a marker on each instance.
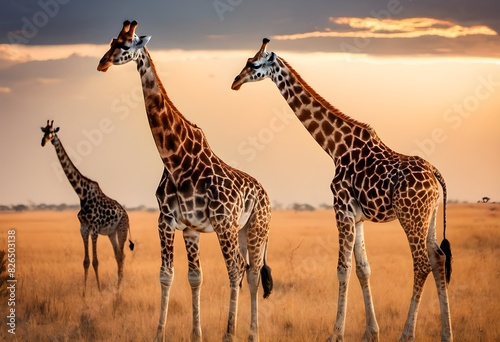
(334, 131)
(178, 140)
(76, 179)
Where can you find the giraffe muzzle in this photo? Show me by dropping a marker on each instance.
(104, 64)
(236, 83)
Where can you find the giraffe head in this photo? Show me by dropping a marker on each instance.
(49, 132)
(124, 48)
(257, 68)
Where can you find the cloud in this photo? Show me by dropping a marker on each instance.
(27, 53)
(47, 80)
(393, 28)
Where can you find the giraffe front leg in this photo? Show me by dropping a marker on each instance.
(363, 273)
(166, 232)
(346, 244)
(195, 278)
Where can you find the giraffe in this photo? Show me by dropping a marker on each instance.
(198, 193)
(98, 213)
(371, 182)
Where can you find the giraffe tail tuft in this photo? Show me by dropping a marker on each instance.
(267, 280)
(265, 276)
(131, 245)
(446, 248)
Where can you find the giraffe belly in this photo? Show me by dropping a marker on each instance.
(376, 205)
(193, 221)
(378, 215)
(107, 230)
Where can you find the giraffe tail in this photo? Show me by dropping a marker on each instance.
(130, 243)
(265, 275)
(445, 244)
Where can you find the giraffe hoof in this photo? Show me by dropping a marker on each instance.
(196, 336)
(253, 338)
(160, 336)
(227, 338)
(335, 338)
(370, 337)
(404, 338)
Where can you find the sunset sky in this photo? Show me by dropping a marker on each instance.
(424, 74)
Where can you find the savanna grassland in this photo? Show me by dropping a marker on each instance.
(302, 253)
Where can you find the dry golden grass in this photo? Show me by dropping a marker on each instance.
(302, 254)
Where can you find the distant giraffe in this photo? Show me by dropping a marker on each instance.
(98, 213)
(372, 182)
(198, 193)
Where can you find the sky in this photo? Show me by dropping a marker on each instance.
(424, 74)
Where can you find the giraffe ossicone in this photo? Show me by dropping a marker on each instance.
(372, 182)
(98, 213)
(198, 193)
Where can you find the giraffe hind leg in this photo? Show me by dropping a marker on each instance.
(119, 255)
(363, 273)
(416, 232)
(95, 261)
(86, 259)
(253, 258)
(438, 259)
(118, 243)
(236, 266)
(195, 278)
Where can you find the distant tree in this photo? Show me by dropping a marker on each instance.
(20, 207)
(277, 205)
(486, 199)
(302, 207)
(41, 206)
(61, 207)
(325, 206)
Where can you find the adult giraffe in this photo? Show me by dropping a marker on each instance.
(198, 193)
(372, 182)
(98, 213)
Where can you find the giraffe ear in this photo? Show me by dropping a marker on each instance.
(143, 40)
(43, 129)
(56, 129)
(271, 58)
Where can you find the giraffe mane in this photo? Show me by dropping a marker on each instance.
(324, 102)
(164, 92)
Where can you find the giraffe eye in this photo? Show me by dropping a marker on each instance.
(255, 66)
(124, 47)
